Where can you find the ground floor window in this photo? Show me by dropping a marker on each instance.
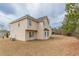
(31, 34)
(46, 33)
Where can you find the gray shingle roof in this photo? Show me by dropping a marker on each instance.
(30, 18)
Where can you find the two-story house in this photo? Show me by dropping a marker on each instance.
(29, 28)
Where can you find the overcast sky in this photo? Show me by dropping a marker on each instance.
(54, 11)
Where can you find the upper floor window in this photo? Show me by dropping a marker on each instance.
(30, 23)
(18, 24)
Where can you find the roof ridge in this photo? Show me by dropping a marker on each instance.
(42, 17)
(21, 18)
(29, 17)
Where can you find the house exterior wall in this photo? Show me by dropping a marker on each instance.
(34, 25)
(46, 22)
(18, 32)
(31, 38)
(50, 32)
(46, 25)
(40, 33)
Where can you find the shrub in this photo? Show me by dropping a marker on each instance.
(13, 39)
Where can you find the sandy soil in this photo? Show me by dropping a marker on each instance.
(58, 46)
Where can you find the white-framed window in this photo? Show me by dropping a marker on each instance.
(30, 23)
(46, 33)
(31, 34)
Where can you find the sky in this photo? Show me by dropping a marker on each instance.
(12, 11)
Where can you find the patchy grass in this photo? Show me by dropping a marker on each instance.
(59, 45)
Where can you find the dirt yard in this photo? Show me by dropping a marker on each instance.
(59, 45)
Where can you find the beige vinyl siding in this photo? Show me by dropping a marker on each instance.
(18, 32)
(20, 29)
(40, 31)
(34, 25)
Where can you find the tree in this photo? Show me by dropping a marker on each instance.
(72, 16)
